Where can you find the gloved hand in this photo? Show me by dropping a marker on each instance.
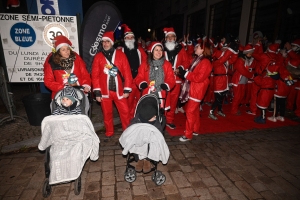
(162, 111)
(143, 85)
(181, 72)
(97, 93)
(289, 82)
(164, 86)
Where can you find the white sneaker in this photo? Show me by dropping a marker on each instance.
(195, 134)
(272, 119)
(183, 139)
(180, 110)
(279, 118)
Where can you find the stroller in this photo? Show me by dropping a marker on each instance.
(145, 140)
(69, 140)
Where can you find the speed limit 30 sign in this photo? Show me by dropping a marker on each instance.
(52, 30)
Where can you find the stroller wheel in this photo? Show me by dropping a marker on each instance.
(130, 175)
(77, 186)
(158, 178)
(46, 188)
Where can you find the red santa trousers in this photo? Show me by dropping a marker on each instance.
(291, 98)
(239, 94)
(174, 94)
(107, 110)
(297, 111)
(247, 96)
(264, 98)
(133, 98)
(254, 93)
(192, 124)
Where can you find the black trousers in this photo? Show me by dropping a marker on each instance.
(219, 98)
(280, 106)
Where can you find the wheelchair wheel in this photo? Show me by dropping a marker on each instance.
(130, 175)
(158, 178)
(77, 186)
(46, 188)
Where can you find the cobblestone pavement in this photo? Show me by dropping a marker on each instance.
(257, 164)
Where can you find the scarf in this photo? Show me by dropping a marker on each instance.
(67, 63)
(184, 95)
(156, 73)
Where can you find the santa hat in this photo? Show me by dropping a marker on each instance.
(127, 30)
(12, 3)
(109, 36)
(152, 45)
(168, 31)
(296, 43)
(248, 49)
(294, 63)
(60, 41)
(273, 48)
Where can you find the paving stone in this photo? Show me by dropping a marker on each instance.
(144, 197)
(139, 190)
(187, 192)
(247, 190)
(16, 190)
(108, 191)
(123, 187)
(95, 166)
(209, 182)
(203, 193)
(92, 187)
(156, 193)
(259, 187)
(60, 191)
(217, 173)
(218, 193)
(173, 197)
(122, 195)
(180, 179)
(268, 172)
(139, 180)
(276, 189)
(169, 189)
(203, 173)
(231, 174)
(269, 195)
(108, 178)
(230, 188)
(192, 177)
(286, 186)
(177, 154)
(108, 166)
(186, 168)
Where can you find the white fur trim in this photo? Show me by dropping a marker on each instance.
(107, 38)
(61, 45)
(168, 33)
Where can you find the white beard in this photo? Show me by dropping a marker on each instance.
(170, 45)
(130, 44)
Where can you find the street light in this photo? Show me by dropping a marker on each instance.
(149, 30)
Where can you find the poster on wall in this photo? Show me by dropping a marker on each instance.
(27, 41)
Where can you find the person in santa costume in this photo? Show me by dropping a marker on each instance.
(112, 81)
(176, 55)
(63, 66)
(194, 89)
(135, 55)
(156, 75)
(223, 59)
(241, 76)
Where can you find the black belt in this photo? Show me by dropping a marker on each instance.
(267, 88)
(220, 74)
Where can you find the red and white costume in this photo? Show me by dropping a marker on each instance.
(199, 81)
(100, 80)
(54, 79)
(169, 80)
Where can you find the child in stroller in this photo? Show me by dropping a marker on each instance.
(69, 139)
(144, 141)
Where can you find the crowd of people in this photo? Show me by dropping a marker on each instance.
(183, 75)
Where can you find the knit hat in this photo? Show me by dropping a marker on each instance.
(12, 3)
(69, 97)
(152, 45)
(248, 49)
(168, 31)
(127, 30)
(60, 41)
(147, 112)
(109, 36)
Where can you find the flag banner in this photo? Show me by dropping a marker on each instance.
(103, 16)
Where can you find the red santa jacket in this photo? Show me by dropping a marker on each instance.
(242, 69)
(100, 78)
(181, 59)
(220, 68)
(143, 77)
(54, 79)
(199, 79)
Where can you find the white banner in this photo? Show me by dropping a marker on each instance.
(47, 7)
(27, 41)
